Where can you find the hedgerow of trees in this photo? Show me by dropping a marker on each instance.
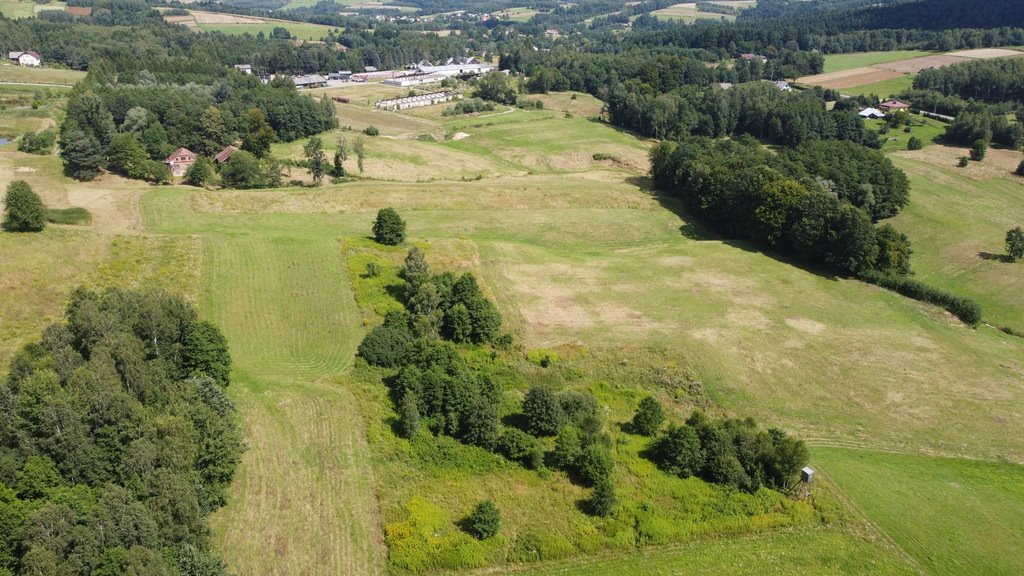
(117, 440)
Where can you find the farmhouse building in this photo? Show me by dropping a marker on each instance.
(244, 68)
(413, 80)
(415, 101)
(749, 57)
(340, 75)
(180, 161)
(872, 113)
(891, 105)
(456, 69)
(224, 154)
(26, 58)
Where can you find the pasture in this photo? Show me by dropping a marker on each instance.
(966, 513)
(957, 221)
(840, 62)
(519, 14)
(42, 75)
(27, 8)
(636, 297)
(231, 24)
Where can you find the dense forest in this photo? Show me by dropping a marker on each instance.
(118, 439)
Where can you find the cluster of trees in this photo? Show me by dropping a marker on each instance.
(117, 439)
(24, 210)
(470, 106)
(758, 108)
(996, 80)
(38, 142)
(732, 452)
(816, 201)
(131, 128)
(977, 123)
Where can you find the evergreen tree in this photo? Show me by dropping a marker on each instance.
(603, 500)
(23, 209)
(1015, 243)
(82, 155)
(415, 269)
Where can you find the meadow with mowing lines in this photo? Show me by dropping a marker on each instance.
(633, 295)
(884, 88)
(957, 222)
(300, 30)
(689, 13)
(980, 533)
(839, 62)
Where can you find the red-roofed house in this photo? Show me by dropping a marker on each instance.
(224, 154)
(180, 161)
(890, 105)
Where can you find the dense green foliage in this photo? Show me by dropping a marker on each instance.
(485, 520)
(543, 411)
(1015, 243)
(389, 228)
(24, 210)
(962, 307)
(70, 216)
(648, 418)
(730, 452)
(117, 441)
(470, 106)
(816, 201)
(38, 142)
(996, 80)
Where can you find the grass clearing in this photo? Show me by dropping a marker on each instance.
(966, 514)
(839, 62)
(689, 13)
(928, 130)
(957, 220)
(884, 88)
(40, 75)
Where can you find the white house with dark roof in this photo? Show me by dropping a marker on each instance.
(26, 58)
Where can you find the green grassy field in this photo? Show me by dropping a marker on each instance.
(957, 221)
(883, 89)
(42, 75)
(927, 130)
(837, 62)
(519, 14)
(688, 13)
(300, 30)
(966, 514)
(633, 294)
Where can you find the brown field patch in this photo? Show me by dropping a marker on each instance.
(915, 65)
(998, 163)
(215, 18)
(850, 78)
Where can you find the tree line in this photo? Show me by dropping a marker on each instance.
(117, 440)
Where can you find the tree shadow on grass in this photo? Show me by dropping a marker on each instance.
(997, 257)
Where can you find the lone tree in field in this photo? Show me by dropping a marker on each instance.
(316, 159)
(23, 209)
(914, 143)
(1015, 243)
(648, 417)
(1020, 168)
(978, 150)
(485, 520)
(389, 228)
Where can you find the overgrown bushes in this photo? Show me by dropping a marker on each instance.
(470, 106)
(38, 142)
(962, 307)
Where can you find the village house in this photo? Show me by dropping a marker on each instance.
(224, 154)
(180, 161)
(245, 68)
(749, 57)
(872, 113)
(25, 58)
(893, 105)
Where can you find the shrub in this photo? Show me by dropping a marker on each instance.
(200, 173)
(387, 344)
(679, 452)
(389, 228)
(648, 417)
(38, 142)
(578, 406)
(963, 308)
(978, 150)
(914, 143)
(602, 501)
(544, 414)
(408, 415)
(372, 270)
(1020, 168)
(964, 161)
(371, 131)
(519, 446)
(23, 209)
(568, 448)
(595, 465)
(484, 522)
